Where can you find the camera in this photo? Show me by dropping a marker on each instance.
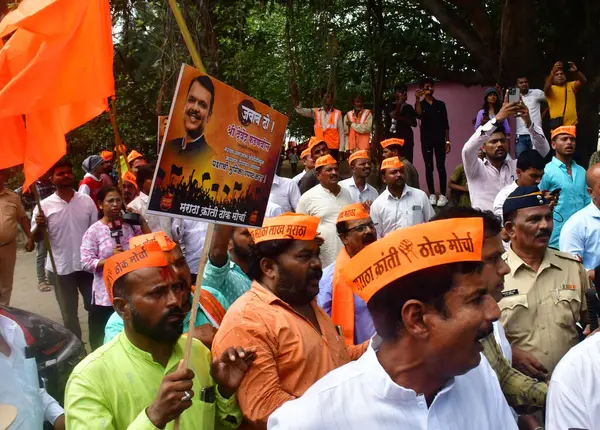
(132, 218)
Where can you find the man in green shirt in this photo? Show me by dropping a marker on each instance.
(136, 381)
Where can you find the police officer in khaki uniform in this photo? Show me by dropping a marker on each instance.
(544, 295)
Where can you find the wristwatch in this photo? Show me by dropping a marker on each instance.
(494, 122)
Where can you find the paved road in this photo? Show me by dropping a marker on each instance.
(27, 296)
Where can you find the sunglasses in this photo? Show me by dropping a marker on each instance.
(362, 227)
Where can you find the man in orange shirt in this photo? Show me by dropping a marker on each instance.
(296, 342)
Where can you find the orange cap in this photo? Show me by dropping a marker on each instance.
(314, 141)
(130, 177)
(165, 242)
(391, 163)
(287, 226)
(387, 142)
(325, 160)
(136, 258)
(305, 153)
(358, 154)
(106, 155)
(412, 249)
(133, 155)
(352, 212)
(564, 129)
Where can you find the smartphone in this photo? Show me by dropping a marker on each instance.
(132, 218)
(514, 95)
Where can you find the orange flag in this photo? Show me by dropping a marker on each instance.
(55, 75)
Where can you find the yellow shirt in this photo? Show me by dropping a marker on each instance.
(556, 103)
(539, 310)
(112, 387)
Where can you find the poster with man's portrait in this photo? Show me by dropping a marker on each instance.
(219, 155)
(163, 121)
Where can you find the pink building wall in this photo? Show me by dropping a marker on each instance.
(462, 104)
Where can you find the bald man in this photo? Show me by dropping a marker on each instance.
(581, 233)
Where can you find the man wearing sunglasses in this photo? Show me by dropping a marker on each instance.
(348, 311)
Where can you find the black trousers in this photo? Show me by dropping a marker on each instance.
(97, 319)
(439, 150)
(407, 150)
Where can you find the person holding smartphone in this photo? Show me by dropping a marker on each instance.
(560, 94)
(400, 120)
(533, 99)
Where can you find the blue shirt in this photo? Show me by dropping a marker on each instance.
(581, 236)
(573, 197)
(363, 323)
(229, 280)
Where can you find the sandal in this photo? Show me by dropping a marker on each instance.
(44, 286)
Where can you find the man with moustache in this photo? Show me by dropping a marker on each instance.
(309, 164)
(153, 299)
(197, 110)
(317, 148)
(348, 311)
(425, 370)
(130, 188)
(544, 294)
(358, 124)
(393, 148)
(360, 190)
(399, 205)
(295, 341)
(325, 201)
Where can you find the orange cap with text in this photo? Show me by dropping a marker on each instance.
(106, 155)
(357, 155)
(165, 242)
(305, 153)
(133, 155)
(564, 129)
(391, 163)
(352, 212)
(287, 226)
(325, 160)
(387, 142)
(411, 249)
(130, 177)
(122, 263)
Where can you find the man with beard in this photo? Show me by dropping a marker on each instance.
(488, 176)
(196, 114)
(130, 188)
(399, 205)
(153, 300)
(347, 310)
(135, 161)
(360, 190)
(393, 148)
(425, 370)
(66, 215)
(544, 294)
(295, 341)
(325, 201)
(565, 176)
(318, 148)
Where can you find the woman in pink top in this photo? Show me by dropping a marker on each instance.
(104, 238)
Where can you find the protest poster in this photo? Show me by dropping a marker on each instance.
(220, 154)
(163, 121)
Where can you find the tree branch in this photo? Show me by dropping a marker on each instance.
(478, 16)
(427, 69)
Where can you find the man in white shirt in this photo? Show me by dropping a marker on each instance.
(140, 203)
(20, 385)
(66, 215)
(533, 98)
(285, 193)
(309, 164)
(273, 209)
(427, 371)
(357, 184)
(488, 176)
(325, 201)
(399, 205)
(191, 235)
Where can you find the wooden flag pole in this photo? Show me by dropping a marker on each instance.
(189, 42)
(33, 189)
(112, 114)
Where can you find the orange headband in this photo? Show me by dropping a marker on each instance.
(325, 160)
(357, 155)
(106, 155)
(133, 155)
(391, 163)
(412, 249)
(387, 142)
(305, 153)
(125, 262)
(314, 141)
(352, 212)
(287, 226)
(564, 129)
(130, 177)
(165, 242)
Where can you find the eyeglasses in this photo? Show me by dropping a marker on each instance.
(362, 227)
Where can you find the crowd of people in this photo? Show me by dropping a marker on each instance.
(355, 305)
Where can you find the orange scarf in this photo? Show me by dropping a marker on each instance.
(342, 300)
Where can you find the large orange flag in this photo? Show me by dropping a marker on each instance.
(55, 75)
